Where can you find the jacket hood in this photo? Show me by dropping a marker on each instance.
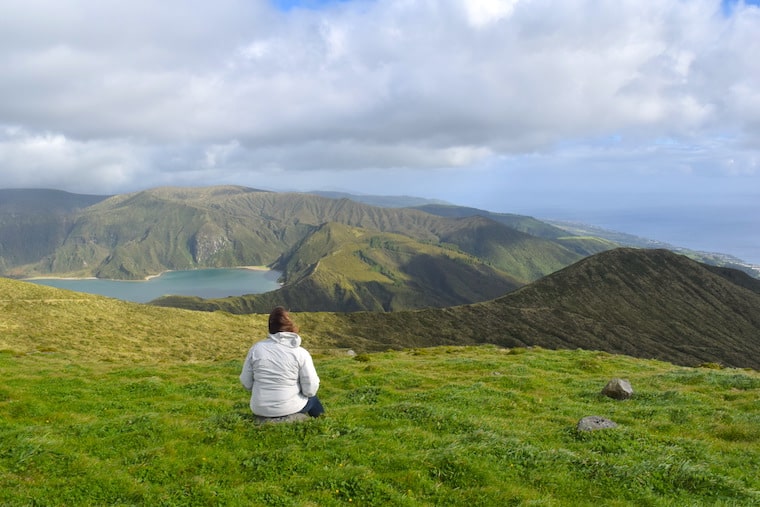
(287, 339)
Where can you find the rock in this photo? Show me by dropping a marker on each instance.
(594, 422)
(283, 419)
(618, 389)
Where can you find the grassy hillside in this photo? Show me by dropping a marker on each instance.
(105, 402)
(443, 426)
(342, 268)
(648, 304)
(36, 319)
(644, 303)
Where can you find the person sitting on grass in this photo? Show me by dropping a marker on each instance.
(280, 373)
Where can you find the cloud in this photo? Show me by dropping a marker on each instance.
(116, 95)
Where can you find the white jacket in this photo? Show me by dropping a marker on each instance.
(280, 375)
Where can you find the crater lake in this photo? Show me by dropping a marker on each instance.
(205, 283)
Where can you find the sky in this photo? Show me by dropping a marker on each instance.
(637, 115)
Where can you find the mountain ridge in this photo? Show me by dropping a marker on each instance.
(643, 303)
(131, 236)
(651, 304)
(564, 230)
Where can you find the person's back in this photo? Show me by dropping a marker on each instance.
(280, 373)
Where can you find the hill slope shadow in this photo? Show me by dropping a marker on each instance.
(642, 303)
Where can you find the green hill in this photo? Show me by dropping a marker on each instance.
(111, 403)
(346, 269)
(131, 236)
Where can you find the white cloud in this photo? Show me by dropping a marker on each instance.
(485, 12)
(28, 159)
(123, 94)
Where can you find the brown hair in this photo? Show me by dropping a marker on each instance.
(279, 320)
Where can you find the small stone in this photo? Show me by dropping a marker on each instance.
(594, 422)
(618, 389)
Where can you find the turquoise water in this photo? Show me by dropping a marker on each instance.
(205, 283)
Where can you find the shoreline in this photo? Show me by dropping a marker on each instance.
(73, 278)
(146, 279)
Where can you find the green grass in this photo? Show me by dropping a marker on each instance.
(441, 426)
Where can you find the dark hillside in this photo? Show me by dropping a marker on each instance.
(739, 277)
(33, 222)
(648, 300)
(643, 303)
(44, 201)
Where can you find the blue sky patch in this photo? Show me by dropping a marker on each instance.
(729, 5)
(287, 5)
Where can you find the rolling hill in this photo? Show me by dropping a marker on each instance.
(642, 303)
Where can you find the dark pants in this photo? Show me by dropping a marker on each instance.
(313, 407)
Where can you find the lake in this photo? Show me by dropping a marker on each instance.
(205, 283)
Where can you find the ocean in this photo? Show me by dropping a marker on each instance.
(732, 229)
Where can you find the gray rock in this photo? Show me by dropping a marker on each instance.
(618, 389)
(284, 419)
(594, 422)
